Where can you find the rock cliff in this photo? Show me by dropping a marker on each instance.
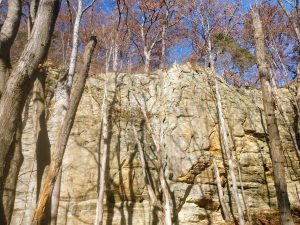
(182, 108)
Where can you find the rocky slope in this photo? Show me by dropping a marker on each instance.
(180, 101)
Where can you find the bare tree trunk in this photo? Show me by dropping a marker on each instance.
(60, 146)
(272, 128)
(156, 204)
(223, 133)
(161, 174)
(224, 206)
(62, 102)
(15, 159)
(285, 116)
(22, 77)
(8, 34)
(73, 57)
(104, 146)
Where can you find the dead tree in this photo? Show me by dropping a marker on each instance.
(272, 128)
(64, 132)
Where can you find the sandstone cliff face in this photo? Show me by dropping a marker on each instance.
(180, 101)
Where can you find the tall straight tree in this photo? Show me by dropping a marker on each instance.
(272, 128)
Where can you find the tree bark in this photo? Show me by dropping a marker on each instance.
(11, 172)
(104, 146)
(23, 75)
(272, 128)
(285, 116)
(8, 34)
(156, 204)
(161, 174)
(60, 146)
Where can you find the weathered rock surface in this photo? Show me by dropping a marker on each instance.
(180, 101)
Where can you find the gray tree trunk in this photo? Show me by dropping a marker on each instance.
(272, 128)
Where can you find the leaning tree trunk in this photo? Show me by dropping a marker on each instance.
(272, 128)
(22, 76)
(61, 143)
(224, 139)
(62, 101)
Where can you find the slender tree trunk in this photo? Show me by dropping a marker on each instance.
(272, 128)
(104, 146)
(151, 193)
(224, 206)
(60, 146)
(73, 58)
(62, 101)
(285, 116)
(22, 76)
(223, 133)
(161, 174)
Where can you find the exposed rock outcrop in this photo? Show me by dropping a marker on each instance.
(180, 101)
